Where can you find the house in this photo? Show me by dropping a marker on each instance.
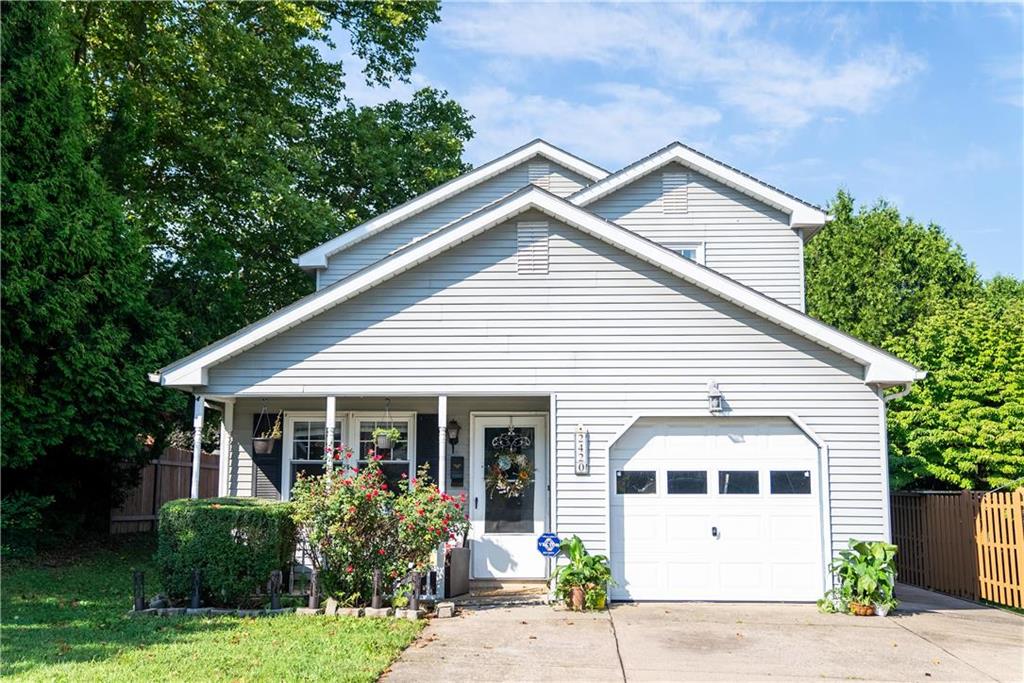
(638, 337)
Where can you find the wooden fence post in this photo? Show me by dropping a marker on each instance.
(139, 590)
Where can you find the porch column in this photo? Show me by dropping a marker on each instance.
(442, 479)
(227, 427)
(442, 443)
(329, 417)
(198, 412)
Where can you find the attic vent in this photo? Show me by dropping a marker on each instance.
(673, 191)
(532, 247)
(539, 173)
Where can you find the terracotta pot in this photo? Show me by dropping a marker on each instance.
(262, 445)
(862, 610)
(577, 598)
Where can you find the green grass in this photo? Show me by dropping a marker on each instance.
(69, 622)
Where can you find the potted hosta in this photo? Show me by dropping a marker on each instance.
(386, 437)
(865, 575)
(264, 443)
(583, 583)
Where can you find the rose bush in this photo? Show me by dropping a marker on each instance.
(353, 523)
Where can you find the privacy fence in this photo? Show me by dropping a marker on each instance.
(168, 477)
(969, 544)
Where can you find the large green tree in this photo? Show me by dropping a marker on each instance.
(163, 163)
(225, 128)
(963, 426)
(873, 273)
(78, 332)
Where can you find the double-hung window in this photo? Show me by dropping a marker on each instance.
(305, 441)
(395, 461)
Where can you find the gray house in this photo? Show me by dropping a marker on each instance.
(638, 337)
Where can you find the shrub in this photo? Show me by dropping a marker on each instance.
(235, 542)
(587, 572)
(354, 524)
(20, 522)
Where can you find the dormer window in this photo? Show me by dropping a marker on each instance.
(691, 250)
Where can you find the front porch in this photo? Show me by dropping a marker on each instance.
(452, 436)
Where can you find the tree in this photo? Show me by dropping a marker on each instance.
(78, 333)
(872, 273)
(224, 127)
(963, 426)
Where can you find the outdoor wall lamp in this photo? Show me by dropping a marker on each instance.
(453, 430)
(715, 401)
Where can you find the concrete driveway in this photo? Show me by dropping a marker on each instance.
(932, 638)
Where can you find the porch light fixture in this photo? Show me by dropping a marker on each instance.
(715, 402)
(452, 431)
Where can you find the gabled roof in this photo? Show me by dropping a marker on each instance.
(317, 258)
(801, 214)
(880, 367)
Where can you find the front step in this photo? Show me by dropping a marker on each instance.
(490, 593)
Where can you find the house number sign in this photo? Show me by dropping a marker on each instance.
(582, 451)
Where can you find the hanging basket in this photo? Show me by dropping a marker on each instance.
(383, 441)
(263, 445)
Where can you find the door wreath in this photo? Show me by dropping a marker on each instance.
(509, 475)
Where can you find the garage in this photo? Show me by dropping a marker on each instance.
(716, 509)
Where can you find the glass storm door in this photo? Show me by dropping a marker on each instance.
(505, 524)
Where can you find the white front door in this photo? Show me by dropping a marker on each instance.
(505, 527)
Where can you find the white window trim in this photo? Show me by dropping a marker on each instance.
(288, 439)
(408, 416)
(699, 246)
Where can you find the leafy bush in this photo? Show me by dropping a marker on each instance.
(20, 522)
(586, 571)
(354, 524)
(866, 574)
(235, 542)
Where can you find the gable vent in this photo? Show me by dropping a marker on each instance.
(673, 191)
(539, 173)
(532, 247)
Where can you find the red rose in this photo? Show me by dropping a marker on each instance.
(381, 551)
(350, 569)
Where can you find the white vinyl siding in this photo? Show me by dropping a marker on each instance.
(549, 175)
(611, 335)
(744, 239)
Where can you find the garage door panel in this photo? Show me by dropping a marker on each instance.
(769, 544)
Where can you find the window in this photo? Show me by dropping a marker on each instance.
(688, 481)
(305, 440)
(396, 460)
(790, 481)
(693, 251)
(738, 481)
(640, 481)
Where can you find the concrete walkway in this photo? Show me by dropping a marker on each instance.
(932, 638)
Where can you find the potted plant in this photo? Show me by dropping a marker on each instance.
(866, 578)
(386, 437)
(583, 583)
(264, 443)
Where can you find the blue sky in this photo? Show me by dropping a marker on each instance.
(922, 104)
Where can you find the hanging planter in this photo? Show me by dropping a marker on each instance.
(263, 441)
(386, 437)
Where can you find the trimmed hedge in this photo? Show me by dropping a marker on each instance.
(235, 542)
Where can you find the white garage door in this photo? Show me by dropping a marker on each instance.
(719, 509)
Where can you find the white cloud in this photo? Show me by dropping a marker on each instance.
(624, 120)
(721, 48)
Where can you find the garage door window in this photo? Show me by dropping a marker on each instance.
(737, 481)
(641, 481)
(688, 482)
(790, 481)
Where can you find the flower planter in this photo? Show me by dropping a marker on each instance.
(862, 610)
(263, 445)
(383, 441)
(577, 598)
(882, 610)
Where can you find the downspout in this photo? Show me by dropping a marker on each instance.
(884, 434)
(899, 394)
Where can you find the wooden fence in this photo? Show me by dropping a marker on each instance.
(164, 479)
(968, 544)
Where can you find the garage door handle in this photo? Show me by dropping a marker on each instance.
(714, 531)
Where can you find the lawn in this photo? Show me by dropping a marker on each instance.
(68, 621)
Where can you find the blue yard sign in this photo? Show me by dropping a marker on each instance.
(548, 544)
